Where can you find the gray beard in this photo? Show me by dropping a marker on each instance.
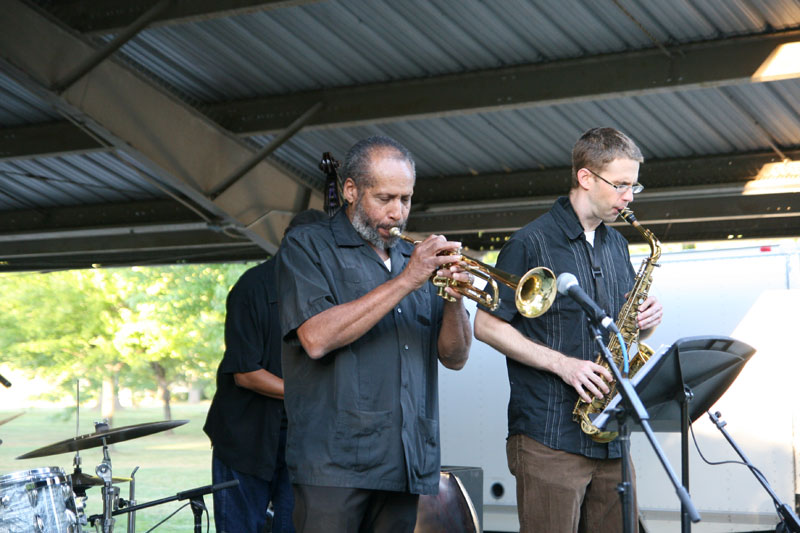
(369, 233)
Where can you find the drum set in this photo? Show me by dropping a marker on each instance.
(47, 500)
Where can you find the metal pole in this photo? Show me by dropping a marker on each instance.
(273, 145)
(686, 524)
(116, 43)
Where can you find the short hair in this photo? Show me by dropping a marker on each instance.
(359, 157)
(598, 147)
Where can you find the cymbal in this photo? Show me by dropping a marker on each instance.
(110, 436)
(79, 479)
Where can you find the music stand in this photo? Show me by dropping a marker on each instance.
(680, 383)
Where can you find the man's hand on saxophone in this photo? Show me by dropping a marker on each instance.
(590, 379)
(649, 316)
(586, 377)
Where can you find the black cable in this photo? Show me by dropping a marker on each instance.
(756, 472)
(168, 517)
(712, 463)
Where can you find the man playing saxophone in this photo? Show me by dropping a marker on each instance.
(566, 481)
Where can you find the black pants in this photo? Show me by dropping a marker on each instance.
(346, 510)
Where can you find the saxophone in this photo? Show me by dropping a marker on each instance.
(626, 322)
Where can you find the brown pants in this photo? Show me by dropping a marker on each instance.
(563, 492)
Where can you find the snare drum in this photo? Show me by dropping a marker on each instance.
(39, 501)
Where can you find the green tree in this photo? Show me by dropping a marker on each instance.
(144, 328)
(60, 326)
(174, 322)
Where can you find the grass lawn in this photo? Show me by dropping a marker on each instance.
(168, 463)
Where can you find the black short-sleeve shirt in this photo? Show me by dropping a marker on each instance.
(365, 415)
(243, 425)
(541, 403)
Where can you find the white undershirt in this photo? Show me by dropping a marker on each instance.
(589, 237)
(388, 264)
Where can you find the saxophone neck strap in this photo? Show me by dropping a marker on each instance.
(600, 293)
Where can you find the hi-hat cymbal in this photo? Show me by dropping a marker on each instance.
(79, 479)
(110, 436)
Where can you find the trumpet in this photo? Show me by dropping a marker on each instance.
(534, 292)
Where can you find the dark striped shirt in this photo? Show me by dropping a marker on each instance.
(541, 403)
(366, 415)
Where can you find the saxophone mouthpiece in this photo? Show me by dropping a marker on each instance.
(627, 215)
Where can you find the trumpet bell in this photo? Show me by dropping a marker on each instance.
(536, 292)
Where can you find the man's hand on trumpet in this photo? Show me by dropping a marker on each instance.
(437, 256)
(456, 272)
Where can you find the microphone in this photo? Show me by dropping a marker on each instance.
(568, 285)
(206, 489)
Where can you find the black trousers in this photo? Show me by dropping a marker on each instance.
(347, 510)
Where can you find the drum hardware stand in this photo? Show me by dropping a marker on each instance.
(131, 502)
(6, 384)
(110, 493)
(80, 493)
(80, 497)
(634, 407)
(789, 522)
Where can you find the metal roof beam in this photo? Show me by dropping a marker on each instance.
(709, 64)
(109, 16)
(692, 207)
(100, 258)
(764, 228)
(709, 171)
(48, 139)
(124, 243)
(134, 249)
(81, 217)
(187, 152)
(701, 65)
(145, 232)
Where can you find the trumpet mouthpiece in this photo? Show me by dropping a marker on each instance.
(395, 232)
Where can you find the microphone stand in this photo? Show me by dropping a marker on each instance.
(195, 497)
(789, 522)
(634, 407)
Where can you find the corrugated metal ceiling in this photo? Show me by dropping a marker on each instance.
(679, 124)
(73, 179)
(343, 43)
(317, 46)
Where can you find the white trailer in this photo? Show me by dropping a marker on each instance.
(749, 293)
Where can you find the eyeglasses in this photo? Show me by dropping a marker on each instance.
(636, 188)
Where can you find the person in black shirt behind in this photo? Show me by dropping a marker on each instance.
(566, 482)
(246, 421)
